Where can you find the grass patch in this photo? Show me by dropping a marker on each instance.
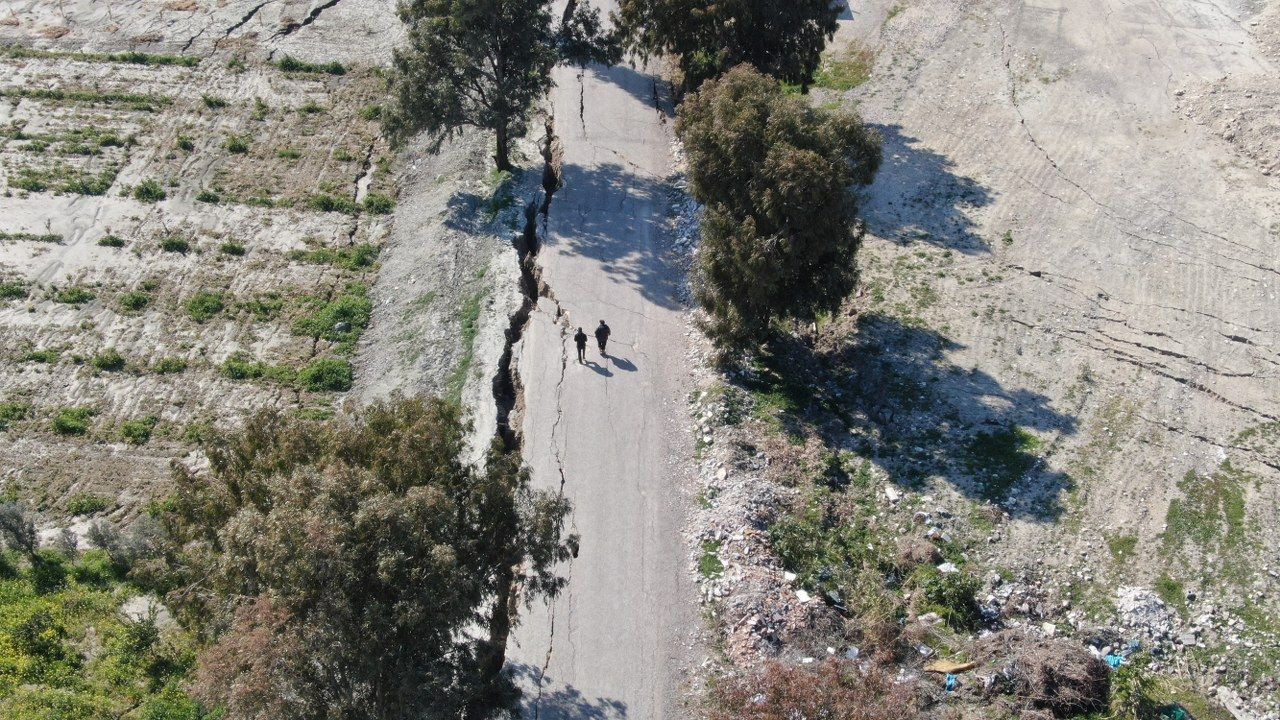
(236, 144)
(1122, 547)
(340, 320)
(213, 102)
(176, 244)
(72, 295)
(133, 57)
(86, 504)
(1210, 514)
(291, 64)
(311, 107)
(169, 365)
(185, 143)
(72, 421)
(1001, 458)
(138, 432)
(64, 179)
(378, 204)
(112, 241)
(709, 563)
(12, 290)
(12, 412)
(468, 326)
(263, 306)
(325, 202)
(288, 153)
(52, 238)
(355, 257)
(845, 71)
(232, 248)
(326, 375)
(109, 360)
(149, 191)
(240, 367)
(1172, 592)
(134, 300)
(203, 305)
(208, 196)
(47, 356)
(134, 101)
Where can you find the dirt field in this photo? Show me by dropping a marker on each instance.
(1070, 311)
(189, 232)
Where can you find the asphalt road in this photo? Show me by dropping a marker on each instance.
(607, 431)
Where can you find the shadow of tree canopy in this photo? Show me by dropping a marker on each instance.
(644, 87)
(888, 393)
(473, 209)
(559, 702)
(917, 196)
(605, 213)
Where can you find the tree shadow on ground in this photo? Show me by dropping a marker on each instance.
(889, 393)
(917, 196)
(611, 214)
(475, 209)
(648, 89)
(560, 702)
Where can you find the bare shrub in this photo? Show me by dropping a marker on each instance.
(834, 689)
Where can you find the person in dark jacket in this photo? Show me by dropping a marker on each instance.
(581, 340)
(602, 335)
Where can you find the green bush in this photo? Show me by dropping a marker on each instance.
(204, 305)
(326, 374)
(149, 191)
(72, 420)
(236, 144)
(370, 112)
(952, 596)
(175, 243)
(12, 290)
(292, 64)
(138, 432)
(114, 241)
(288, 153)
(73, 295)
(324, 202)
(11, 412)
(208, 196)
(213, 102)
(231, 247)
(351, 306)
(86, 504)
(186, 143)
(311, 107)
(110, 360)
(378, 204)
(134, 300)
(48, 356)
(348, 258)
(169, 365)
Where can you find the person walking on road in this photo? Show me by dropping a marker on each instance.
(602, 336)
(581, 340)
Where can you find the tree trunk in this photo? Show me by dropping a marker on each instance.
(503, 155)
(493, 653)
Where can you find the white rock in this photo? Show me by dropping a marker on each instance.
(789, 576)
(802, 596)
(948, 567)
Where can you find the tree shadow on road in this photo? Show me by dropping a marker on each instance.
(648, 89)
(918, 196)
(886, 391)
(560, 702)
(616, 217)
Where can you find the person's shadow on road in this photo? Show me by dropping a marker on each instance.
(622, 363)
(600, 369)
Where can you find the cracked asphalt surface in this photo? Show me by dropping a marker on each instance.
(606, 432)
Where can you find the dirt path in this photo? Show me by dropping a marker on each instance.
(605, 432)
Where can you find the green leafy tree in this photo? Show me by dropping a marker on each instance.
(484, 64)
(708, 37)
(779, 230)
(343, 567)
